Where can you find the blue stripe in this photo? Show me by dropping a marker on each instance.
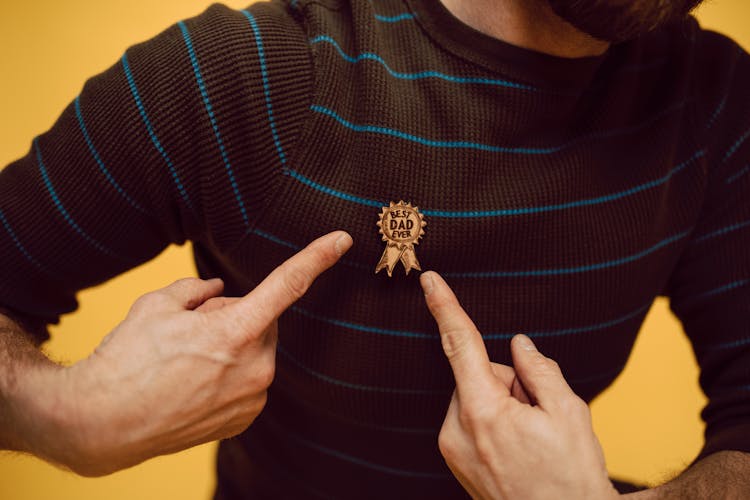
(419, 75)
(364, 328)
(370, 465)
(394, 19)
(433, 430)
(736, 176)
(736, 146)
(294, 246)
(152, 134)
(571, 270)
(399, 390)
(490, 148)
(500, 212)
(724, 230)
(717, 112)
(485, 336)
(335, 193)
(572, 204)
(484, 274)
(279, 384)
(275, 239)
(458, 79)
(732, 344)
(352, 459)
(212, 118)
(573, 330)
(716, 291)
(63, 211)
(18, 243)
(97, 158)
(359, 387)
(266, 87)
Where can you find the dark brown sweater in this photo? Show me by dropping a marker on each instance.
(561, 197)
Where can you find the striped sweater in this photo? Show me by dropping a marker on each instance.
(562, 196)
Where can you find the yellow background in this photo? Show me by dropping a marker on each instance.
(647, 421)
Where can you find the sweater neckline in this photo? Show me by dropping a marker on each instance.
(499, 56)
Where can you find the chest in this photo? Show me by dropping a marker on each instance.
(569, 249)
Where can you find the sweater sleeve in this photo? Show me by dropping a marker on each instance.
(172, 143)
(710, 288)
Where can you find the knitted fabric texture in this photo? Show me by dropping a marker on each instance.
(562, 196)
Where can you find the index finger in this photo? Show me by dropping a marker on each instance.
(462, 342)
(289, 281)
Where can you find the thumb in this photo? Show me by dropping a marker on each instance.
(507, 376)
(539, 375)
(186, 293)
(216, 303)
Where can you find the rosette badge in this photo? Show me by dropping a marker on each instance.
(402, 226)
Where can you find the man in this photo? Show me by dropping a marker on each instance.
(564, 182)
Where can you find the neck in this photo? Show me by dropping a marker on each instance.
(530, 24)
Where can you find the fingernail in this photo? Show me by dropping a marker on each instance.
(427, 283)
(343, 243)
(525, 342)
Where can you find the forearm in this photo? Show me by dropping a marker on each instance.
(725, 474)
(31, 413)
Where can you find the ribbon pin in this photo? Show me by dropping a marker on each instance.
(402, 226)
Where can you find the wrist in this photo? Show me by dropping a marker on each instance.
(51, 420)
(77, 412)
(87, 410)
(34, 409)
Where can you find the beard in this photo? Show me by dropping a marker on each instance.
(620, 20)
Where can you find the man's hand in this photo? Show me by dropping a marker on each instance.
(512, 434)
(185, 367)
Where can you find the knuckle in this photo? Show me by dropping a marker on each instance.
(484, 416)
(467, 418)
(574, 407)
(544, 364)
(446, 444)
(476, 420)
(552, 364)
(322, 252)
(454, 341)
(296, 281)
(260, 403)
(441, 305)
(145, 302)
(185, 282)
(265, 375)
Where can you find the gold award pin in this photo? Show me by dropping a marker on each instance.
(402, 226)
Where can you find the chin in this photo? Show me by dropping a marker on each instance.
(620, 20)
